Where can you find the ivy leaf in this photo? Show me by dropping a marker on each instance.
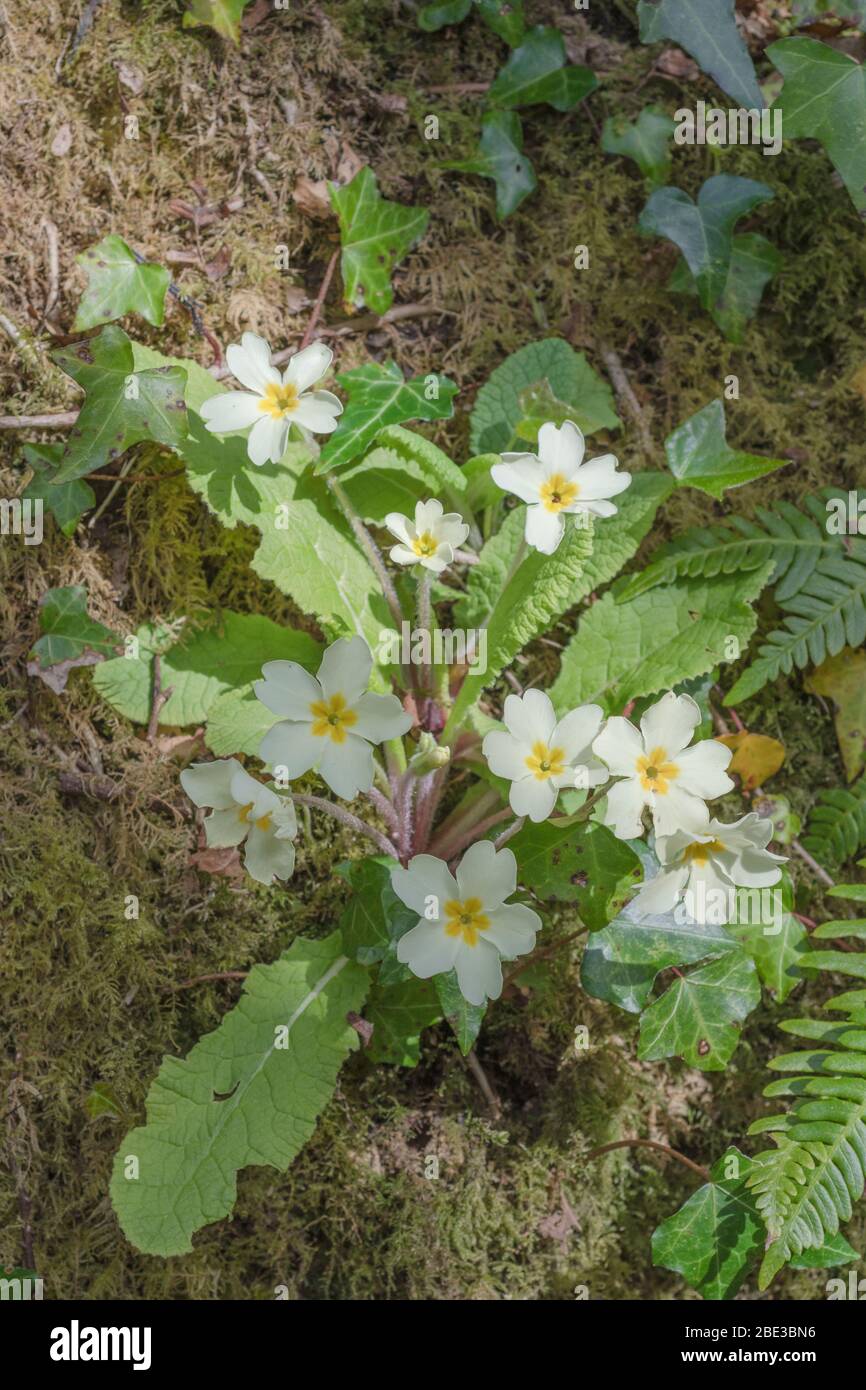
(375, 236)
(835, 1251)
(223, 16)
(399, 1014)
(647, 141)
(697, 1017)
(465, 1018)
(504, 17)
(704, 230)
(624, 650)
(433, 17)
(699, 455)
(70, 637)
(200, 666)
(582, 863)
(824, 98)
(250, 1092)
(118, 284)
(717, 1235)
(538, 71)
(553, 367)
(842, 678)
(122, 407)
(754, 261)
(780, 954)
(379, 395)
(67, 502)
(500, 157)
(522, 603)
(707, 30)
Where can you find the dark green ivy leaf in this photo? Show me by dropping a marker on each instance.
(378, 396)
(538, 71)
(717, 1235)
(647, 141)
(500, 158)
(465, 1018)
(699, 455)
(67, 502)
(583, 863)
(375, 236)
(707, 30)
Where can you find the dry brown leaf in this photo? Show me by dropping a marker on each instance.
(226, 862)
(842, 679)
(311, 196)
(756, 757)
(62, 142)
(674, 63)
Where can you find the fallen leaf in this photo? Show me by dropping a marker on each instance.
(843, 679)
(56, 676)
(256, 14)
(297, 299)
(62, 142)
(674, 63)
(220, 265)
(131, 78)
(179, 744)
(311, 196)
(349, 164)
(218, 861)
(756, 757)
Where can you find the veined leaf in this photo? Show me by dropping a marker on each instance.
(123, 406)
(699, 455)
(781, 953)
(551, 363)
(403, 468)
(824, 98)
(248, 1093)
(652, 642)
(843, 679)
(223, 16)
(375, 236)
(647, 141)
(697, 1017)
(118, 284)
(581, 863)
(399, 1014)
(237, 722)
(500, 157)
(538, 71)
(67, 502)
(379, 395)
(70, 637)
(465, 1018)
(436, 16)
(716, 1235)
(754, 261)
(707, 30)
(201, 666)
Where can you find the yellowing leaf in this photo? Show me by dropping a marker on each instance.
(756, 757)
(843, 679)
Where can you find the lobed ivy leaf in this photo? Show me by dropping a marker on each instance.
(707, 30)
(375, 236)
(824, 98)
(703, 231)
(547, 369)
(248, 1093)
(123, 405)
(119, 284)
(70, 637)
(654, 641)
(583, 863)
(500, 157)
(647, 141)
(223, 16)
(465, 1018)
(399, 1014)
(717, 1235)
(379, 395)
(697, 1017)
(754, 261)
(504, 17)
(67, 502)
(699, 455)
(201, 666)
(538, 71)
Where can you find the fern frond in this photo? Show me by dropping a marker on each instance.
(836, 829)
(807, 1185)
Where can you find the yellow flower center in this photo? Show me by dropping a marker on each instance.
(557, 493)
(279, 401)
(466, 920)
(545, 762)
(425, 545)
(699, 854)
(655, 773)
(331, 718)
(245, 816)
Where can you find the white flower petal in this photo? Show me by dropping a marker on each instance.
(702, 769)
(230, 410)
(506, 755)
(380, 717)
(529, 717)
(512, 929)
(318, 416)
(676, 809)
(426, 878)
(479, 972)
(246, 791)
(670, 723)
(347, 767)
(210, 784)
(428, 950)
(576, 730)
(266, 442)
(223, 829)
(266, 857)
(428, 516)
(522, 474)
(602, 509)
(625, 802)
(250, 363)
(619, 745)
(402, 555)
(661, 893)
(401, 527)
(486, 873)
(452, 530)
(544, 529)
(308, 366)
(440, 561)
(345, 669)
(533, 797)
(600, 478)
(292, 746)
(287, 689)
(561, 448)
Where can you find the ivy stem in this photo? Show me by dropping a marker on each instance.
(651, 1144)
(353, 822)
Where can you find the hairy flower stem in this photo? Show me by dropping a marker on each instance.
(353, 822)
(386, 810)
(425, 624)
(509, 832)
(370, 548)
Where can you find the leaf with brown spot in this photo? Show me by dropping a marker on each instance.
(757, 757)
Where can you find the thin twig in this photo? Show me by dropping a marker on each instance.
(64, 420)
(320, 299)
(623, 389)
(52, 238)
(206, 979)
(481, 1077)
(159, 699)
(812, 863)
(651, 1144)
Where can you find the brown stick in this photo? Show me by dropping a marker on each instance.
(483, 1080)
(651, 1144)
(61, 421)
(320, 299)
(205, 979)
(623, 389)
(160, 698)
